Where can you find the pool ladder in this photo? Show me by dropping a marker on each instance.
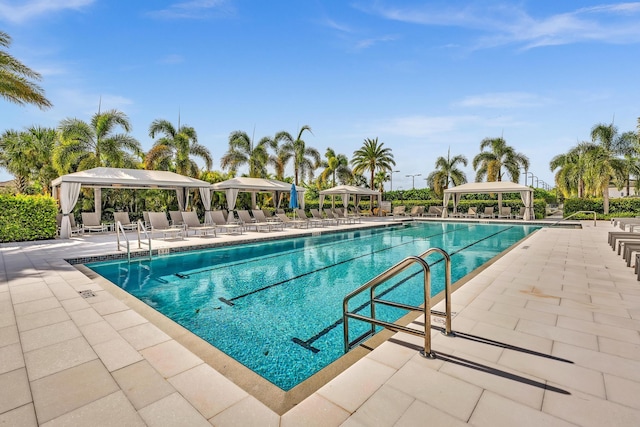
(425, 308)
(124, 241)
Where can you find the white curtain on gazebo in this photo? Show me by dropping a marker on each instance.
(205, 196)
(345, 200)
(232, 197)
(69, 192)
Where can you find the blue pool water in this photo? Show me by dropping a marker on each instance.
(259, 302)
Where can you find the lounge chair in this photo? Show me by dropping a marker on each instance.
(505, 212)
(520, 215)
(416, 211)
(313, 222)
(249, 222)
(191, 221)
(221, 223)
(339, 213)
(123, 218)
(296, 223)
(434, 211)
(472, 212)
(176, 217)
(488, 212)
(160, 224)
(260, 218)
(398, 211)
(75, 228)
(91, 222)
(315, 214)
(329, 214)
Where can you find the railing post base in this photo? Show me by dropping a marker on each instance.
(448, 334)
(430, 355)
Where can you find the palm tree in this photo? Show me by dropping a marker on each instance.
(572, 169)
(16, 83)
(603, 163)
(88, 145)
(446, 173)
(336, 165)
(27, 155)
(279, 159)
(305, 159)
(372, 156)
(174, 149)
(242, 151)
(489, 164)
(379, 179)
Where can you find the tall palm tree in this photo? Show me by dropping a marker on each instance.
(447, 172)
(604, 165)
(16, 79)
(173, 150)
(490, 163)
(242, 151)
(372, 156)
(305, 159)
(379, 179)
(336, 165)
(279, 159)
(88, 145)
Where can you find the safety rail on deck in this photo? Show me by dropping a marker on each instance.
(576, 213)
(124, 240)
(426, 308)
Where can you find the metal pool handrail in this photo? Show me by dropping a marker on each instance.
(372, 284)
(120, 229)
(576, 213)
(142, 228)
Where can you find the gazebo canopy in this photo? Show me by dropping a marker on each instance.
(346, 191)
(233, 186)
(67, 187)
(499, 187)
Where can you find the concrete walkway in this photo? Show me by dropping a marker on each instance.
(549, 335)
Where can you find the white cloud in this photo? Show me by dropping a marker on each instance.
(194, 9)
(503, 23)
(172, 59)
(21, 11)
(503, 100)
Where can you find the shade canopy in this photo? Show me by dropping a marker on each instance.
(499, 187)
(67, 187)
(346, 191)
(233, 186)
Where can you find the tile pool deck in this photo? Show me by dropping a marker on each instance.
(548, 334)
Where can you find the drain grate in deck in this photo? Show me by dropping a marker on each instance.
(87, 293)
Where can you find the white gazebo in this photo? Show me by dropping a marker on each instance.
(499, 187)
(232, 187)
(67, 188)
(346, 191)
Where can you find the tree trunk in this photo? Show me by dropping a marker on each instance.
(605, 200)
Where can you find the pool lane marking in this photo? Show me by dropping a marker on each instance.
(229, 301)
(308, 343)
(188, 273)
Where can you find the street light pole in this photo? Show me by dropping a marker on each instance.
(413, 179)
(391, 178)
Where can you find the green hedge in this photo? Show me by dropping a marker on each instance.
(620, 207)
(27, 218)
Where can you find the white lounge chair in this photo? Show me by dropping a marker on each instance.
(434, 211)
(75, 228)
(488, 212)
(315, 213)
(296, 223)
(125, 221)
(329, 214)
(91, 222)
(471, 213)
(249, 222)
(260, 218)
(176, 217)
(160, 224)
(221, 223)
(191, 221)
(398, 211)
(505, 212)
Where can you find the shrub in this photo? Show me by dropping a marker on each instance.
(620, 207)
(27, 218)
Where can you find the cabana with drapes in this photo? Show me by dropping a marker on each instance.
(67, 188)
(500, 187)
(346, 191)
(232, 187)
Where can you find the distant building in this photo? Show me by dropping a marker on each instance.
(615, 193)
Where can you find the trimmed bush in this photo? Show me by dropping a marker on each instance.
(25, 218)
(620, 207)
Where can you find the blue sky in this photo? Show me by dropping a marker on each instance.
(421, 76)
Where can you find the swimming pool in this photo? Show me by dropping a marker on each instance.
(276, 306)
